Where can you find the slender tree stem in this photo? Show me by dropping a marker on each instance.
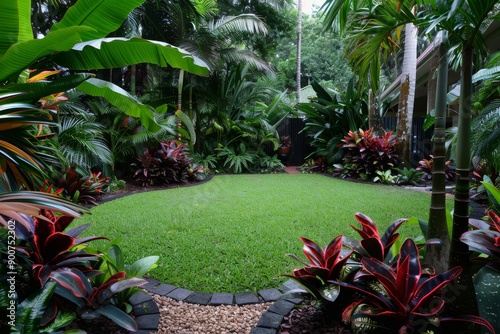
(437, 255)
(299, 47)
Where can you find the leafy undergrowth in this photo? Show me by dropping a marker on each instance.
(232, 234)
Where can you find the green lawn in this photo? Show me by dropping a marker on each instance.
(231, 233)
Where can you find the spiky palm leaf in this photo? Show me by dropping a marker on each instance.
(486, 134)
(19, 164)
(213, 40)
(80, 138)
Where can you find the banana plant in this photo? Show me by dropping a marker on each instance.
(79, 42)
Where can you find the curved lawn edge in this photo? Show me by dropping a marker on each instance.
(232, 234)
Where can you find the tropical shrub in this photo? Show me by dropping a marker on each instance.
(325, 264)
(208, 161)
(330, 116)
(267, 164)
(47, 248)
(384, 177)
(377, 290)
(493, 192)
(319, 164)
(21, 164)
(235, 112)
(373, 244)
(426, 166)
(485, 240)
(484, 245)
(285, 145)
(168, 162)
(366, 152)
(111, 262)
(82, 189)
(400, 298)
(61, 279)
(409, 176)
(484, 187)
(94, 301)
(236, 160)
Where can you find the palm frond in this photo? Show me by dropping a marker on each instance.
(80, 139)
(486, 135)
(235, 25)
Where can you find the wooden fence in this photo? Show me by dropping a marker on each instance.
(421, 145)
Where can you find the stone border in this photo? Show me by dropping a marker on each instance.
(148, 314)
(272, 318)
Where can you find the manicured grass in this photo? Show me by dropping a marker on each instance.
(231, 233)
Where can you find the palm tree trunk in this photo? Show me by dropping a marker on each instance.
(407, 93)
(133, 72)
(179, 100)
(299, 47)
(464, 299)
(437, 255)
(180, 86)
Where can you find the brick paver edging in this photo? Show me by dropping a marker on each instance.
(148, 315)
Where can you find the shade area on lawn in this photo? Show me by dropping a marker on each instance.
(232, 233)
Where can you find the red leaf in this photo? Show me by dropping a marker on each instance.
(56, 244)
(43, 229)
(431, 286)
(97, 293)
(62, 222)
(374, 247)
(495, 219)
(312, 251)
(71, 281)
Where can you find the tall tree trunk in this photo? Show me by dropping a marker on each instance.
(299, 47)
(437, 255)
(407, 93)
(464, 298)
(133, 75)
(180, 86)
(374, 112)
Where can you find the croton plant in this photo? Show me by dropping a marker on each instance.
(388, 292)
(59, 277)
(366, 152)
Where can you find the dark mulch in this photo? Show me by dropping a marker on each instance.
(308, 319)
(99, 325)
(134, 188)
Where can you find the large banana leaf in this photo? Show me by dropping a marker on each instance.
(22, 55)
(105, 16)
(118, 52)
(36, 90)
(16, 26)
(86, 20)
(120, 99)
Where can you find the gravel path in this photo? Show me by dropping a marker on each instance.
(177, 317)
